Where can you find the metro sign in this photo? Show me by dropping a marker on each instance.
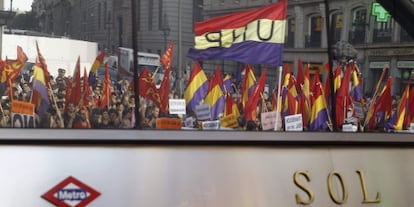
(71, 193)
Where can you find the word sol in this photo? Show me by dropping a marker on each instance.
(334, 197)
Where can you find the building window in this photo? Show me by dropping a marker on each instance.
(105, 13)
(99, 16)
(290, 33)
(405, 37)
(358, 26)
(198, 10)
(313, 39)
(336, 26)
(120, 31)
(383, 31)
(150, 14)
(138, 13)
(160, 12)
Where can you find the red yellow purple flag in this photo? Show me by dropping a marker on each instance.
(253, 37)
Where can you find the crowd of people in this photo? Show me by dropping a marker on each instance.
(120, 110)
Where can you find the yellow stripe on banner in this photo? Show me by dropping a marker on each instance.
(263, 30)
(213, 96)
(400, 121)
(318, 106)
(194, 85)
(38, 74)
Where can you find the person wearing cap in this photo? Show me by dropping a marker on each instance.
(61, 72)
(61, 79)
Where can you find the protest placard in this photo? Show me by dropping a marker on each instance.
(293, 123)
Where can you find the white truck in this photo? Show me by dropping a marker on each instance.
(58, 52)
(150, 60)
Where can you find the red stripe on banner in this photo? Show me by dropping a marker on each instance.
(276, 11)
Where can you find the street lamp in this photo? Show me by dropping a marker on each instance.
(165, 29)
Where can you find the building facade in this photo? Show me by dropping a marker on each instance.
(379, 42)
(108, 22)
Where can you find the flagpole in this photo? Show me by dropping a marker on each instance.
(62, 124)
(1, 109)
(278, 97)
(135, 62)
(361, 128)
(329, 36)
(374, 97)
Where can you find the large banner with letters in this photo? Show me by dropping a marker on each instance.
(22, 114)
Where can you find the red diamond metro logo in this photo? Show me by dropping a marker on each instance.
(71, 193)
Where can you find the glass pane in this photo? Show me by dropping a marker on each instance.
(207, 65)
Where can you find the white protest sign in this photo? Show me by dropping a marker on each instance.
(22, 114)
(349, 128)
(203, 112)
(293, 123)
(177, 106)
(359, 112)
(189, 122)
(268, 120)
(211, 125)
(412, 127)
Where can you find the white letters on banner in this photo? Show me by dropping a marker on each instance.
(22, 121)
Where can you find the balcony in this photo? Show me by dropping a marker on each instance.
(313, 41)
(382, 35)
(356, 37)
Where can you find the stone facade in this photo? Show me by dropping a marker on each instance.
(108, 22)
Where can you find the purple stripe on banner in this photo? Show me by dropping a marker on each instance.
(198, 96)
(227, 84)
(246, 52)
(320, 123)
(357, 93)
(217, 108)
(251, 89)
(3, 88)
(92, 78)
(40, 88)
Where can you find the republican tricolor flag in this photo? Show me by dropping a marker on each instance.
(215, 96)
(40, 96)
(398, 121)
(254, 36)
(197, 87)
(99, 62)
(249, 83)
(319, 119)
